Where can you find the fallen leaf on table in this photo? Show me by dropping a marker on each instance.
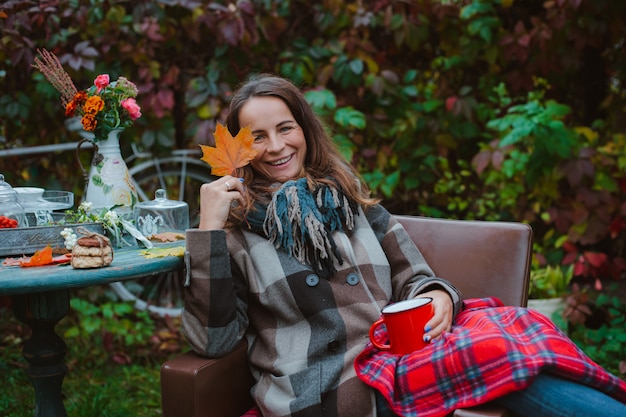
(12, 261)
(229, 153)
(25, 261)
(168, 236)
(62, 259)
(163, 252)
(44, 257)
(41, 257)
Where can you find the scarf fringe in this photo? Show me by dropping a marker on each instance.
(303, 222)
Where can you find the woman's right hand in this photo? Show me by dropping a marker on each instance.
(216, 199)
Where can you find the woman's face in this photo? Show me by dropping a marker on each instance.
(278, 139)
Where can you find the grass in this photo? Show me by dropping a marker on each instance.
(112, 372)
(112, 392)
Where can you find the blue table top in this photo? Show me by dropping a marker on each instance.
(128, 263)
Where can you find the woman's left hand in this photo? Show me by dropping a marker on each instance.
(442, 319)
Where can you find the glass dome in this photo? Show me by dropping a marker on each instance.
(161, 215)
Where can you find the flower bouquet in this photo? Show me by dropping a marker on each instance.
(103, 107)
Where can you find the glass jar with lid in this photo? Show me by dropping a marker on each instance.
(11, 211)
(161, 215)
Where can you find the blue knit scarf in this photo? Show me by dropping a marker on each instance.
(302, 223)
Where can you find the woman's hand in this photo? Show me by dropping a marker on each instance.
(216, 199)
(442, 319)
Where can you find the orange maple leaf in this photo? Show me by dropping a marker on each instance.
(41, 257)
(229, 153)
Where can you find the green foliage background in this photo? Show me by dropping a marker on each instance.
(476, 109)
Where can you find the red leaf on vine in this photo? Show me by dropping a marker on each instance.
(595, 259)
(617, 225)
(481, 161)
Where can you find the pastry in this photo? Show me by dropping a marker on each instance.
(93, 251)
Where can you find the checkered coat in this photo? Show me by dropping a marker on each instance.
(304, 332)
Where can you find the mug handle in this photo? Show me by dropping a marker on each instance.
(373, 339)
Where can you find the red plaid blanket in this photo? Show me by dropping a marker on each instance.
(492, 350)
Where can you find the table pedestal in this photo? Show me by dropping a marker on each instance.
(45, 350)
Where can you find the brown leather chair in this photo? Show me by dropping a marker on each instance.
(481, 258)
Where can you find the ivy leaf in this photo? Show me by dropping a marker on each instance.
(349, 117)
(321, 99)
(229, 153)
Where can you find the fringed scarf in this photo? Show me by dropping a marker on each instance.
(302, 222)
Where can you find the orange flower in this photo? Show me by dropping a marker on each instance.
(77, 101)
(89, 122)
(80, 97)
(70, 108)
(93, 105)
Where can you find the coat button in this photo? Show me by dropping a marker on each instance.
(312, 280)
(333, 345)
(352, 279)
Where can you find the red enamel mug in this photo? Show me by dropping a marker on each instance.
(405, 322)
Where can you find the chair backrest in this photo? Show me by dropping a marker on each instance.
(481, 258)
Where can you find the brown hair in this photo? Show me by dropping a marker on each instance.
(323, 163)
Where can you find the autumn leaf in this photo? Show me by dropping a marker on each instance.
(163, 252)
(168, 236)
(229, 153)
(41, 257)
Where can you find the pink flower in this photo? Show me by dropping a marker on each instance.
(131, 106)
(101, 81)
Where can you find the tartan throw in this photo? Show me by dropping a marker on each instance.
(491, 351)
(253, 412)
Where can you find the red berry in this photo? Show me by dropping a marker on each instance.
(6, 222)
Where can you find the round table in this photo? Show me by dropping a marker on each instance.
(40, 298)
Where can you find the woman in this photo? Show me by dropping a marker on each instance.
(297, 258)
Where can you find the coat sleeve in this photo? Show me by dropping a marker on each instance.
(410, 273)
(214, 318)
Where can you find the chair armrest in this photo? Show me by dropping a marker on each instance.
(194, 386)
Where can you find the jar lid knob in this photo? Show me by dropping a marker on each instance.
(6, 191)
(5, 187)
(160, 194)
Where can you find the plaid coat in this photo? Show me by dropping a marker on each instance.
(303, 332)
